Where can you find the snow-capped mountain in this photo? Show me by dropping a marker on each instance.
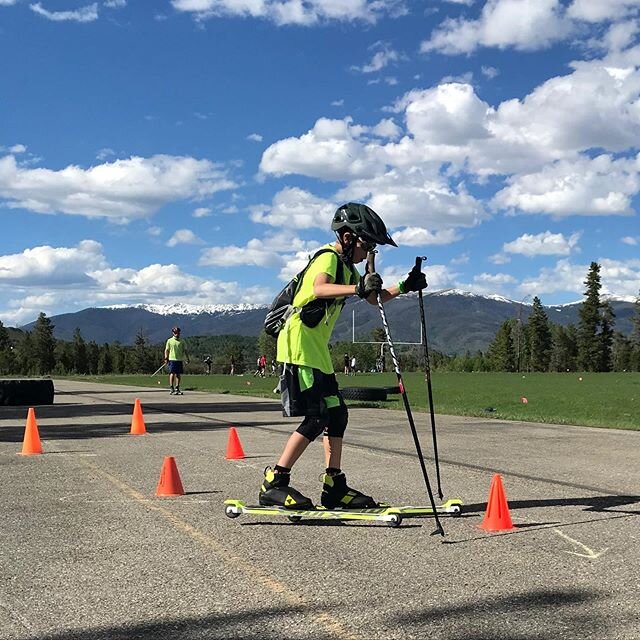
(457, 320)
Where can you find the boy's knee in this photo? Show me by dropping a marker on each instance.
(338, 419)
(312, 427)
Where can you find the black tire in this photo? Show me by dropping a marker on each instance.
(395, 389)
(363, 393)
(19, 393)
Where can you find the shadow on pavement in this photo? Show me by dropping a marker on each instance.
(117, 429)
(536, 615)
(593, 503)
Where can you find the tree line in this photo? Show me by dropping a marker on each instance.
(541, 345)
(536, 345)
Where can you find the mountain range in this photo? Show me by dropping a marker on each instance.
(457, 321)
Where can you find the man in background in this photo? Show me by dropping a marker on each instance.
(175, 352)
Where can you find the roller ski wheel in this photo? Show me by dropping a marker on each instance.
(231, 511)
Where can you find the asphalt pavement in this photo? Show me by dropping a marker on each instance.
(87, 550)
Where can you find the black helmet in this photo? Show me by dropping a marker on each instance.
(363, 221)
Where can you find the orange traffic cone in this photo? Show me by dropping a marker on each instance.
(31, 444)
(497, 517)
(169, 483)
(137, 421)
(234, 447)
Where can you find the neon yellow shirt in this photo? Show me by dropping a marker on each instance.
(309, 346)
(176, 349)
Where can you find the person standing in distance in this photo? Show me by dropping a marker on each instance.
(175, 352)
(308, 385)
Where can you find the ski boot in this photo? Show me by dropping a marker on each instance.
(276, 492)
(337, 495)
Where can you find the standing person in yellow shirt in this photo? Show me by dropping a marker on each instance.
(175, 352)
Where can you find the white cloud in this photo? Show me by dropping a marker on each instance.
(283, 12)
(419, 237)
(416, 198)
(631, 240)
(121, 190)
(183, 236)
(489, 72)
(279, 250)
(115, 4)
(254, 137)
(60, 279)
(438, 276)
(521, 24)
(542, 244)
(383, 57)
(332, 150)
(7, 3)
(499, 258)
(337, 103)
(154, 232)
(602, 10)
(617, 277)
(294, 208)
(497, 279)
(105, 153)
(88, 13)
(619, 36)
(202, 212)
(449, 114)
(52, 266)
(598, 186)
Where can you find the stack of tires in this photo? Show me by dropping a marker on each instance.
(26, 392)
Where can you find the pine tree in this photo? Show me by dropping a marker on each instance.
(539, 337)
(501, 353)
(79, 353)
(93, 355)
(589, 345)
(634, 363)
(607, 321)
(44, 345)
(7, 358)
(564, 349)
(622, 352)
(105, 362)
(27, 363)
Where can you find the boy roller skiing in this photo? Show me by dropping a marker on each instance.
(308, 385)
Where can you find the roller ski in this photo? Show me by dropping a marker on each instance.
(389, 515)
(338, 502)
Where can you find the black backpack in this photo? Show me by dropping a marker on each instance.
(282, 306)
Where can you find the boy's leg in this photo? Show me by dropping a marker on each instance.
(301, 395)
(335, 491)
(332, 452)
(294, 448)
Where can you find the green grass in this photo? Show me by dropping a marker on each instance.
(590, 399)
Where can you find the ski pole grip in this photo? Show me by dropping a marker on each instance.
(371, 262)
(419, 260)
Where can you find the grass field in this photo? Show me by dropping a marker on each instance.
(589, 399)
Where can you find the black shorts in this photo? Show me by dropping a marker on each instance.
(307, 392)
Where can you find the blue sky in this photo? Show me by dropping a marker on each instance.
(193, 151)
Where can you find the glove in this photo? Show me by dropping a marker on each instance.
(368, 284)
(415, 281)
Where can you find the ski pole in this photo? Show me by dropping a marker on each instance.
(405, 399)
(158, 370)
(427, 367)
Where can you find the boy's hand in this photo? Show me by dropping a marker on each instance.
(368, 284)
(415, 281)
